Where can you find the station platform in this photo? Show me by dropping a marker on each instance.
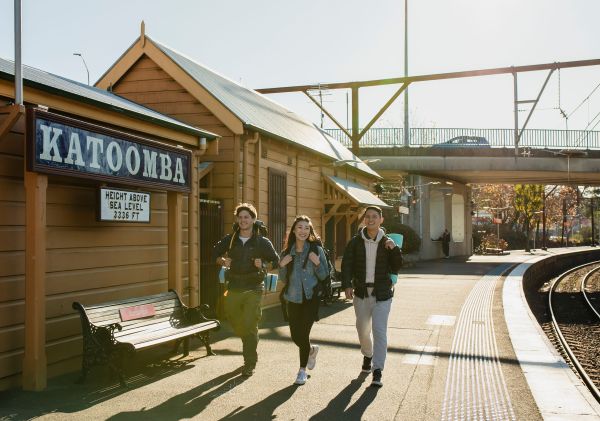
(461, 345)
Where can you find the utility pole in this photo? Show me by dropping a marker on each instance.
(592, 218)
(406, 127)
(544, 196)
(564, 222)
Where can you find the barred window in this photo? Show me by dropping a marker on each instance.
(277, 207)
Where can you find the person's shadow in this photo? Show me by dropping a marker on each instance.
(264, 409)
(187, 404)
(336, 408)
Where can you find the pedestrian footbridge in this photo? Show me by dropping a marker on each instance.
(484, 155)
(441, 164)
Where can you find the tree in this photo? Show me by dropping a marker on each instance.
(554, 205)
(528, 201)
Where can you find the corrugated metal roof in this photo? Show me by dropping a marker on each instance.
(258, 112)
(356, 192)
(49, 82)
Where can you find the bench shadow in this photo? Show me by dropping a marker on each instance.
(63, 395)
(187, 404)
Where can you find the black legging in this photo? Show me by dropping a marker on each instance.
(302, 317)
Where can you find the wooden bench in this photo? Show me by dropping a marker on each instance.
(492, 250)
(114, 330)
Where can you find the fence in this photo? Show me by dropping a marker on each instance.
(497, 138)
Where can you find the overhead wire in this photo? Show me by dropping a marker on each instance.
(584, 100)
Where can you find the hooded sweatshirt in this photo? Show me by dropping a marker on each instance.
(370, 255)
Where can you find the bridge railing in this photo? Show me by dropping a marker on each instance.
(497, 138)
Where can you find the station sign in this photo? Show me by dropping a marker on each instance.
(403, 210)
(124, 206)
(66, 146)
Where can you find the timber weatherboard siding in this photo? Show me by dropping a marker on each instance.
(86, 260)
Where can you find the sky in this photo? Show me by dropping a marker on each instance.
(271, 43)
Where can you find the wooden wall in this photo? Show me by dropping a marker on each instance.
(87, 261)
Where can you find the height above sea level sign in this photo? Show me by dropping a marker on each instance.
(124, 206)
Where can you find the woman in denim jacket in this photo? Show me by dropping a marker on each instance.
(302, 265)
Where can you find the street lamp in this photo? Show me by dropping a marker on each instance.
(85, 64)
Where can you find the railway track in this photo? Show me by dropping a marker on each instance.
(574, 304)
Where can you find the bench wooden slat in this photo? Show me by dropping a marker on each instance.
(99, 312)
(160, 331)
(178, 335)
(116, 318)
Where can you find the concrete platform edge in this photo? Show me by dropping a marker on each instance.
(557, 391)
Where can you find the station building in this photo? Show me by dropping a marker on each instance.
(94, 194)
(268, 155)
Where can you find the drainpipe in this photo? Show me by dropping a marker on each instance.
(193, 244)
(257, 166)
(202, 147)
(248, 141)
(193, 224)
(18, 60)
(236, 171)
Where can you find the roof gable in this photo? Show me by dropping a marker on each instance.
(260, 113)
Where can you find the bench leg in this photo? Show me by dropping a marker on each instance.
(115, 365)
(205, 338)
(87, 361)
(186, 347)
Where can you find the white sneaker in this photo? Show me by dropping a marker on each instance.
(301, 377)
(312, 357)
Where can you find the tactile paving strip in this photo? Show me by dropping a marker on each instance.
(475, 385)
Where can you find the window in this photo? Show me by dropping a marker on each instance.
(277, 207)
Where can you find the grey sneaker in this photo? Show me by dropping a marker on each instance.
(301, 377)
(312, 357)
(366, 367)
(376, 382)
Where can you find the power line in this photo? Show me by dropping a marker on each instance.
(584, 100)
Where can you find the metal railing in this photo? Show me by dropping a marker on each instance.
(497, 138)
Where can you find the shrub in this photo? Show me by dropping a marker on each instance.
(491, 241)
(412, 242)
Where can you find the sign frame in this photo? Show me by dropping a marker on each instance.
(99, 206)
(32, 165)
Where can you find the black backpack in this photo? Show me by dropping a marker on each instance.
(325, 290)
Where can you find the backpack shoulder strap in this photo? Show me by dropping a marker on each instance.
(233, 235)
(314, 247)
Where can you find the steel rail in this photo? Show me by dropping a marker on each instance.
(586, 379)
(583, 291)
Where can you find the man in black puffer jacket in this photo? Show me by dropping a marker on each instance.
(369, 259)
